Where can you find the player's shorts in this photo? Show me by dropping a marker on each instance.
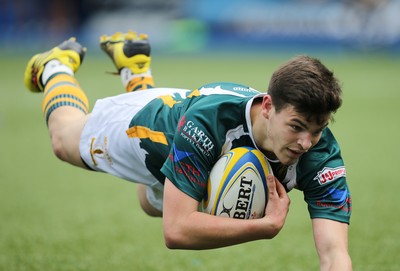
(105, 146)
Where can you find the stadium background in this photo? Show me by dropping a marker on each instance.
(55, 217)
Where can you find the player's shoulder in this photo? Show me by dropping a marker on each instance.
(229, 88)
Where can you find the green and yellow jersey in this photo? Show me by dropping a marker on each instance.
(183, 136)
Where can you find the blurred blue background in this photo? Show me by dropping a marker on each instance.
(202, 25)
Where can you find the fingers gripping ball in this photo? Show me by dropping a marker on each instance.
(237, 185)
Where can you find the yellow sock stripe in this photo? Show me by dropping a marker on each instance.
(140, 83)
(63, 84)
(65, 92)
(59, 78)
(68, 98)
(62, 104)
(64, 95)
(144, 132)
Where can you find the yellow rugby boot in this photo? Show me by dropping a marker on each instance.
(128, 50)
(69, 53)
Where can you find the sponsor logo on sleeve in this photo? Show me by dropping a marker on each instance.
(195, 136)
(336, 198)
(328, 174)
(186, 164)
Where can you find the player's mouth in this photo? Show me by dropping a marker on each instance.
(292, 153)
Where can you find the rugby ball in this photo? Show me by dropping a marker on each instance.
(237, 185)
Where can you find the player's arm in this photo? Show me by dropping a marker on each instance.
(187, 228)
(331, 241)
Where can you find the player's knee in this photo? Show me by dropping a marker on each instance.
(57, 146)
(144, 203)
(151, 211)
(65, 139)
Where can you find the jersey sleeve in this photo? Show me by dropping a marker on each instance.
(322, 176)
(192, 155)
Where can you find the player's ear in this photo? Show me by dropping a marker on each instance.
(266, 106)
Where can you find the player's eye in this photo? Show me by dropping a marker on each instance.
(296, 128)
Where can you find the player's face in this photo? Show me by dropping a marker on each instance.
(288, 134)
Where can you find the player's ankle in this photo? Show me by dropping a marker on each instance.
(141, 81)
(127, 76)
(53, 67)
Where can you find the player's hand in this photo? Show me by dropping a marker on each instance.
(278, 203)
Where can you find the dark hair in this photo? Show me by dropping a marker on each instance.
(309, 86)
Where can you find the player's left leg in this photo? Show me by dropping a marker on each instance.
(144, 202)
(65, 106)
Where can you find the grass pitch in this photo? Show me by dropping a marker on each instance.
(57, 217)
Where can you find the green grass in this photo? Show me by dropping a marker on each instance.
(57, 217)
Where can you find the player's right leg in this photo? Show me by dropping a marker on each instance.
(65, 106)
(130, 53)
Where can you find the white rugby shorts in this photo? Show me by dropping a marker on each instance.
(105, 146)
